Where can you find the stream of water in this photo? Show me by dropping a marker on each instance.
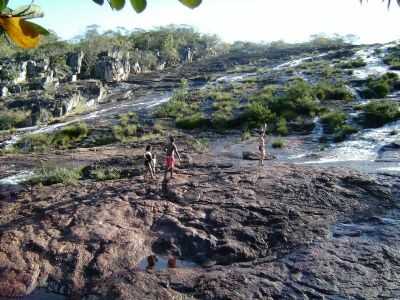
(362, 147)
(107, 110)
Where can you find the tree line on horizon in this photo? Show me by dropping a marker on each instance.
(15, 24)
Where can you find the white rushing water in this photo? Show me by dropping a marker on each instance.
(234, 77)
(296, 62)
(373, 57)
(16, 179)
(318, 130)
(363, 146)
(107, 111)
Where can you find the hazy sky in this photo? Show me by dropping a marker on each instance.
(251, 20)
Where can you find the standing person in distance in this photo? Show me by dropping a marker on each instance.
(261, 144)
(149, 163)
(170, 160)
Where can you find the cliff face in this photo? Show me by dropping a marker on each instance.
(237, 234)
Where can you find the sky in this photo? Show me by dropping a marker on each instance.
(232, 20)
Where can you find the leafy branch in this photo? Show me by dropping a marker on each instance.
(140, 5)
(14, 24)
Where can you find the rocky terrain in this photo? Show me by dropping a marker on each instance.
(320, 220)
(283, 232)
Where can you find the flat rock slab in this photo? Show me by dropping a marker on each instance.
(250, 233)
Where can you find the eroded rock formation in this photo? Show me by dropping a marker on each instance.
(252, 235)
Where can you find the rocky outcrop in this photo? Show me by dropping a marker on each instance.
(92, 92)
(21, 72)
(67, 98)
(4, 92)
(113, 66)
(137, 69)
(74, 61)
(244, 235)
(247, 155)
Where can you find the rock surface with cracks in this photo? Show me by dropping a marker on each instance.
(250, 233)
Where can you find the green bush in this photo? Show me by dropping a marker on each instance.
(124, 133)
(102, 174)
(257, 114)
(278, 143)
(393, 58)
(227, 105)
(194, 121)
(352, 64)
(69, 135)
(379, 113)
(298, 99)
(380, 87)
(393, 62)
(33, 143)
(64, 138)
(222, 120)
(333, 121)
(326, 91)
(281, 128)
(129, 118)
(13, 119)
(180, 105)
(246, 135)
(377, 89)
(343, 132)
(127, 128)
(49, 176)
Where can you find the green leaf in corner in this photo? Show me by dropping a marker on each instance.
(139, 5)
(40, 29)
(191, 3)
(28, 12)
(117, 4)
(3, 4)
(99, 2)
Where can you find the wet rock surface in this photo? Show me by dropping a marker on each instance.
(271, 233)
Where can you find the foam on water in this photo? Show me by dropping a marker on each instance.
(318, 130)
(16, 179)
(363, 146)
(234, 78)
(136, 106)
(296, 62)
(373, 57)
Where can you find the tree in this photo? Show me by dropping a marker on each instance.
(25, 34)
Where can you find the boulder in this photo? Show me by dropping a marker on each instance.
(91, 91)
(137, 69)
(113, 66)
(40, 115)
(21, 72)
(31, 69)
(4, 92)
(247, 155)
(74, 61)
(161, 66)
(65, 103)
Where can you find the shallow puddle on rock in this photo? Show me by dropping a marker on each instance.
(162, 264)
(39, 294)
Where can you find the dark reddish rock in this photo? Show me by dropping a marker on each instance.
(268, 234)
